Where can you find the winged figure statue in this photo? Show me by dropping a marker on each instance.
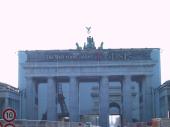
(88, 29)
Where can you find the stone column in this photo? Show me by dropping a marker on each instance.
(147, 98)
(6, 101)
(166, 105)
(135, 102)
(104, 102)
(156, 78)
(51, 100)
(30, 98)
(74, 100)
(127, 99)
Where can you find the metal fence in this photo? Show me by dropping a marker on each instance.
(45, 123)
(138, 124)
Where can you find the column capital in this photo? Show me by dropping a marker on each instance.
(73, 80)
(127, 77)
(104, 78)
(29, 79)
(72, 77)
(50, 77)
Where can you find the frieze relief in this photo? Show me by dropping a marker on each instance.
(92, 55)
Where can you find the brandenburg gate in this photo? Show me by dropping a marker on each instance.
(137, 71)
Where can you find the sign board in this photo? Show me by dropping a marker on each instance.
(9, 115)
(9, 125)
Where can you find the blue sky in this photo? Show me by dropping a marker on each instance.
(54, 24)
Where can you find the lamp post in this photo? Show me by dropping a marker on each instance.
(97, 120)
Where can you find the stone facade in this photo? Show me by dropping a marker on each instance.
(9, 97)
(137, 71)
(164, 96)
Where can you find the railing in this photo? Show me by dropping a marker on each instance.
(45, 123)
(138, 124)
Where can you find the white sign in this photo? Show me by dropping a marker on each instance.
(9, 115)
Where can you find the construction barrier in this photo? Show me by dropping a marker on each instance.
(156, 122)
(161, 122)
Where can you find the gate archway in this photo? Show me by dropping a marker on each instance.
(115, 117)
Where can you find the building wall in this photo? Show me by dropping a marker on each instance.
(164, 92)
(9, 97)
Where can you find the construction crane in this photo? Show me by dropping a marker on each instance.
(61, 101)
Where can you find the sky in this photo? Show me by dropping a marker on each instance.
(59, 24)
